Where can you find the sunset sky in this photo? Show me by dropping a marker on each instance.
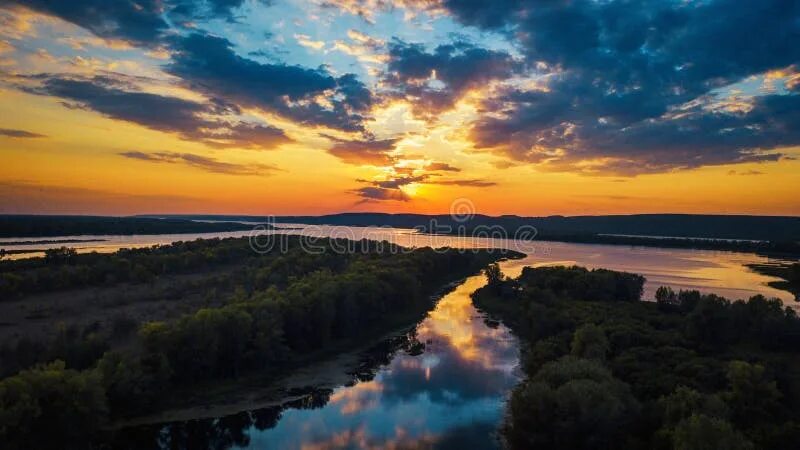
(323, 106)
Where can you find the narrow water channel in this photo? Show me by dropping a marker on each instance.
(450, 394)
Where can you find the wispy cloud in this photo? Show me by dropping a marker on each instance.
(370, 193)
(396, 183)
(19, 133)
(363, 152)
(215, 123)
(440, 166)
(202, 162)
(465, 183)
(306, 41)
(745, 172)
(390, 188)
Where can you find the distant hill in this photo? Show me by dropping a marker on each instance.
(763, 228)
(42, 226)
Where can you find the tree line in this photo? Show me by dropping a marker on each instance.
(63, 268)
(606, 370)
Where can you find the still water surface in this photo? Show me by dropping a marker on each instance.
(452, 393)
(720, 272)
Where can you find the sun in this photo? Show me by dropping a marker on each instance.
(412, 190)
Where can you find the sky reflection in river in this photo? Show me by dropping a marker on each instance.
(450, 396)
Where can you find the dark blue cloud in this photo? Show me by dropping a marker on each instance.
(697, 137)
(210, 65)
(616, 72)
(141, 22)
(205, 122)
(457, 66)
(482, 13)
(205, 9)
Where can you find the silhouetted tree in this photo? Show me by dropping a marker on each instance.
(494, 276)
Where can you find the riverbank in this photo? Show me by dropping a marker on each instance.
(312, 376)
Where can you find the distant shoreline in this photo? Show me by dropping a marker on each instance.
(667, 226)
(680, 236)
(51, 241)
(699, 226)
(785, 249)
(32, 226)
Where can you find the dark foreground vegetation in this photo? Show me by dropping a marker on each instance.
(606, 370)
(268, 313)
(41, 226)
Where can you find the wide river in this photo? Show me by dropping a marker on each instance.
(452, 393)
(724, 273)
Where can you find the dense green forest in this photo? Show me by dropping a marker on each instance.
(606, 370)
(41, 226)
(272, 312)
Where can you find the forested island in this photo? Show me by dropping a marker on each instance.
(91, 339)
(606, 370)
